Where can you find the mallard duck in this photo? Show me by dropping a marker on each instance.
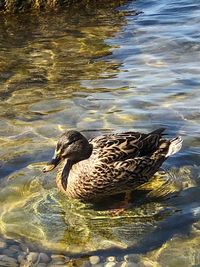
(109, 164)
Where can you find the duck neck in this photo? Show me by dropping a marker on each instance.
(63, 173)
(64, 170)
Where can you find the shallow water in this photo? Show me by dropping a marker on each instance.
(101, 72)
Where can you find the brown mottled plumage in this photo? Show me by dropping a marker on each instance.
(109, 164)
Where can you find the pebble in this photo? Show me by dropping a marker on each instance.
(129, 264)
(32, 247)
(58, 259)
(111, 258)
(44, 258)
(56, 265)
(67, 259)
(32, 257)
(25, 258)
(59, 262)
(8, 261)
(94, 260)
(3, 244)
(110, 264)
(8, 264)
(21, 256)
(8, 252)
(25, 263)
(124, 264)
(146, 263)
(24, 248)
(41, 265)
(133, 258)
(14, 248)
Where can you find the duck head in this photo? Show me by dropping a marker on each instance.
(73, 146)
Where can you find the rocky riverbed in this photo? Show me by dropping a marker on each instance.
(16, 254)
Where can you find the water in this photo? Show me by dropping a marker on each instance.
(100, 72)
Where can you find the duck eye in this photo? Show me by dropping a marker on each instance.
(67, 144)
(70, 142)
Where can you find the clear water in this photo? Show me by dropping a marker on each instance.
(99, 72)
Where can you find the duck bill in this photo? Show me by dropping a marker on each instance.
(53, 163)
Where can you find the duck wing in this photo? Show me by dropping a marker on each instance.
(127, 145)
(131, 173)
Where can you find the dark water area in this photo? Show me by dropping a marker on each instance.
(135, 67)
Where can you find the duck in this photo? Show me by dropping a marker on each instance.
(109, 164)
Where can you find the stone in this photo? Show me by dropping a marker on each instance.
(44, 258)
(58, 262)
(14, 248)
(111, 258)
(127, 264)
(146, 263)
(24, 248)
(8, 261)
(21, 257)
(41, 265)
(67, 259)
(32, 247)
(124, 264)
(56, 265)
(57, 257)
(32, 257)
(25, 263)
(94, 260)
(110, 264)
(133, 258)
(8, 252)
(8, 264)
(3, 244)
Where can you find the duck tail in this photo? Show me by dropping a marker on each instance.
(175, 146)
(167, 148)
(158, 131)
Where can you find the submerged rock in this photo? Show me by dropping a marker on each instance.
(32, 257)
(8, 252)
(56, 265)
(3, 244)
(111, 258)
(14, 248)
(58, 259)
(8, 261)
(110, 264)
(41, 265)
(44, 258)
(21, 257)
(94, 260)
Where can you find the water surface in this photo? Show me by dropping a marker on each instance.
(108, 71)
